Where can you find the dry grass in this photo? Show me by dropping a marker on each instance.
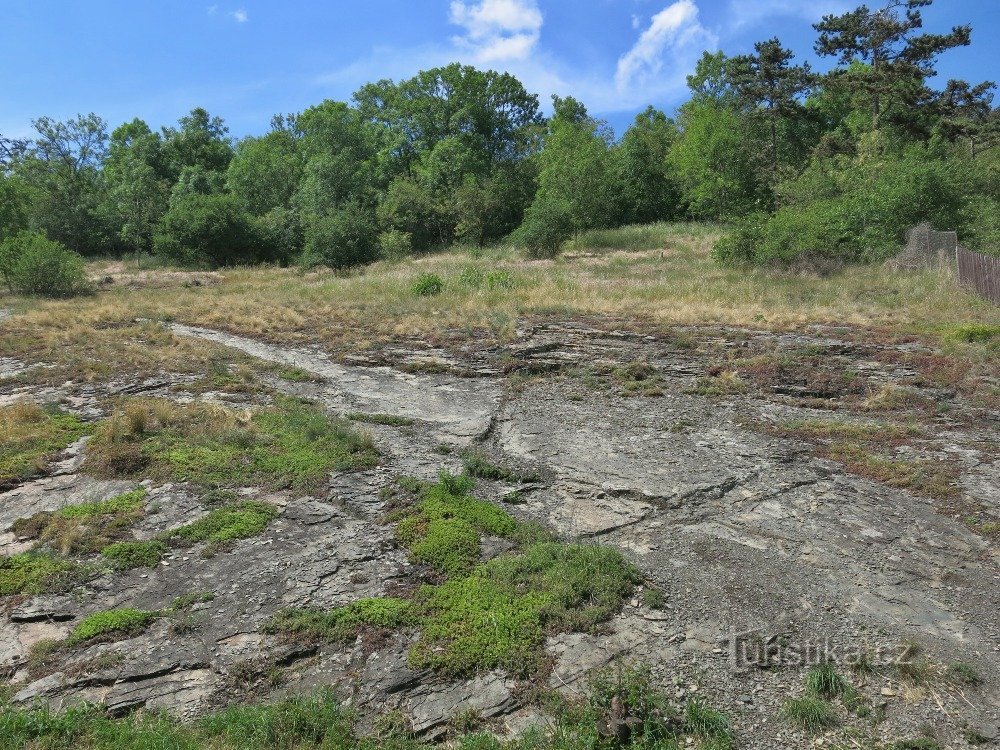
(678, 284)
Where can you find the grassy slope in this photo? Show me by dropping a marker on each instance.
(674, 283)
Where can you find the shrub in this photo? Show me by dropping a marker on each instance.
(213, 230)
(548, 223)
(343, 239)
(395, 244)
(32, 264)
(428, 285)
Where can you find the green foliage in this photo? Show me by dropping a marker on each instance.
(548, 223)
(394, 244)
(489, 279)
(129, 555)
(477, 464)
(117, 622)
(290, 444)
(265, 172)
(36, 573)
(213, 230)
(226, 524)
(347, 237)
(125, 503)
(342, 623)
(31, 434)
(32, 264)
(428, 285)
(824, 681)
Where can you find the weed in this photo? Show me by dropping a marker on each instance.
(477, 464)
(964, 674)
(653, 598)
(810, 713)
(726, 383)
(112, 622)
(31, 436)
(702, 721)
(37, 573)
(639, 378)
(129, 555)
(825, 681)
(976, 333)
(390, 420)
(289, 445)
(918, 743)
(297, 375)
(428, 285)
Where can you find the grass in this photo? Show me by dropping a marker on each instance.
(477, 464)
(95, 337)
(117, 623)
(320, 722)
(37, 573)
(31, 435)
(84, 528)
(810, 713)
(289, 445)
(390, 420)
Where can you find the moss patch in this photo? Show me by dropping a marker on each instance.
(224, 525)
(343, 623)
(31, 435)
(129, 555)
(290, 445)
(113, 622)
(484, 615)
(37, 573)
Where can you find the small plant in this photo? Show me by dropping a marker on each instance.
(702, 721)
(964, 674)
(342, 623)
(32, 264)
(37, 573)
(653, 598)
(297, 375)
(116, 622)
(428, 285)
(918, 743)
(395, 245)
(224, 525)
(32, 435)
(824, 681)
(810, 713)
(725, 383)
(477, 464)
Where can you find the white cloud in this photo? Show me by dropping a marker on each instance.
(497, 29)
(240, 16)
(674, 37)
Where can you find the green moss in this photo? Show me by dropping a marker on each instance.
(226, 524)
(127, 502)
(975, 333)
(390, 420)
(118, 622)
(37, 573)
(499, 615)
(129, 555)
(343, 623)
(289, 445)
(30, 436)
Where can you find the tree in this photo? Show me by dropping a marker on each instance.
(214, 230)
(716, 171)
(200, 141)
(140, 200)
(575, 166)
(61, 172)
(645, 186)
(967, 112)
(773, 86)
(265, 172)
(895, 60)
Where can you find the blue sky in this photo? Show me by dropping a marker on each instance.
(248, 59)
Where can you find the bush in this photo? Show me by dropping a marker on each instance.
(213, 230)
(32, 264)
(428, 285)
(343, 239)
(395, 245)
(548, 223)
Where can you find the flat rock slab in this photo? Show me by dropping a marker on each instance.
(460, 408)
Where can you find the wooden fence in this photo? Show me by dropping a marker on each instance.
(979, 272)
